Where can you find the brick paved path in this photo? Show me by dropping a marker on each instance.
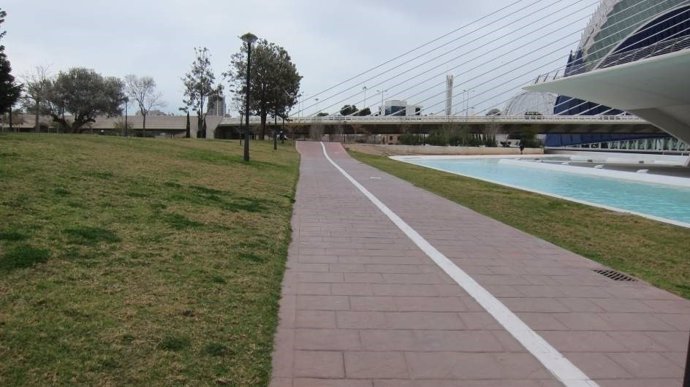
(363, 306)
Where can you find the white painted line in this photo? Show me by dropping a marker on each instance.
(565, 371)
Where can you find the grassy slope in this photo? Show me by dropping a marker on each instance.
(653, 251)
(132, 261)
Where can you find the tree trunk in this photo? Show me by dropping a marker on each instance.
(187, 133)
(263, 125)
(37, 127)
(144, 123)
(199, 128)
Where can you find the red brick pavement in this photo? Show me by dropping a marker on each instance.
(363, 306)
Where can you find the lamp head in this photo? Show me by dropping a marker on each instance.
(249, 38)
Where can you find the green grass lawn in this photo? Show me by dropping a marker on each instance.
(655, 252)
(140, 261)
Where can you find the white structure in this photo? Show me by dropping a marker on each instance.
(531, 102)
(634, 56)
(449, 95)
(397, 107)
(656, 89)
(216, 106)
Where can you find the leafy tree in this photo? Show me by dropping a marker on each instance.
(199, 86)
(274, 80)
(10, 91)
(85, 95)
(37, 86)
(142, 91)
(364, 112)
(322, 114)
(348, 110)
(494, 112)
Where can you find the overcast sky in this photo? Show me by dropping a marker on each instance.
(329, 41)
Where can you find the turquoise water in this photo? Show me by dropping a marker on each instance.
(657, 200)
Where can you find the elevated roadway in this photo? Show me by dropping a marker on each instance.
(476, 124)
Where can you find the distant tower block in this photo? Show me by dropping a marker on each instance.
(449, 95)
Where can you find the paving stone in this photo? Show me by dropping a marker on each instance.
(327, 339)
(464, 366)
(307, 382)
(364, 277)
(315, 319)
(430, 304)
(319, 364)
(405, 290)
(312, 289)
(375, 365)
(423, 320)
(479, 320)
(647, 365)
(427, 340)
(323, 303)
(598, 365)
(281, 382)
(352, 289)
(361, 320)
(373, 303)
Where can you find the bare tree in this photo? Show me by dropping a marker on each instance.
(199, 86)
(143, 92)
(37, 87)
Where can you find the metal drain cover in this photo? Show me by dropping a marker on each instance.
(614, 275)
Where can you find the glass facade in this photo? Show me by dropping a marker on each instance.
(624, 31)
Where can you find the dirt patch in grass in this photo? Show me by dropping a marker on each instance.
(655, 252)
(140, 261)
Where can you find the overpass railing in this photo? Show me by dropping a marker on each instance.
(401, 120)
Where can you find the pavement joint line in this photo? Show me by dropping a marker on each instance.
(561, 368)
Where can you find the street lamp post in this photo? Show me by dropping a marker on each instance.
(383, 108)
(467, 102)
(248, 38)
(364, 88)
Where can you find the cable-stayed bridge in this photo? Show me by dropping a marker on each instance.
(481, 66)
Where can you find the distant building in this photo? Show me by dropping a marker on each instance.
(531, 102)
(628, 58)
(401, 108)
(216, 106)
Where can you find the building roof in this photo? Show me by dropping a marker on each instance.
(161, 123)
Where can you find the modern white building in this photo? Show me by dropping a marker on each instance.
(634, 56)
(396, 107)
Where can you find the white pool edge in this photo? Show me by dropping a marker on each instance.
(623, 175)
(614, 209)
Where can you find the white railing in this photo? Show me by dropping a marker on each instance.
(334, 120)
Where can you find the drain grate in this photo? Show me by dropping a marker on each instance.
(614, 275)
